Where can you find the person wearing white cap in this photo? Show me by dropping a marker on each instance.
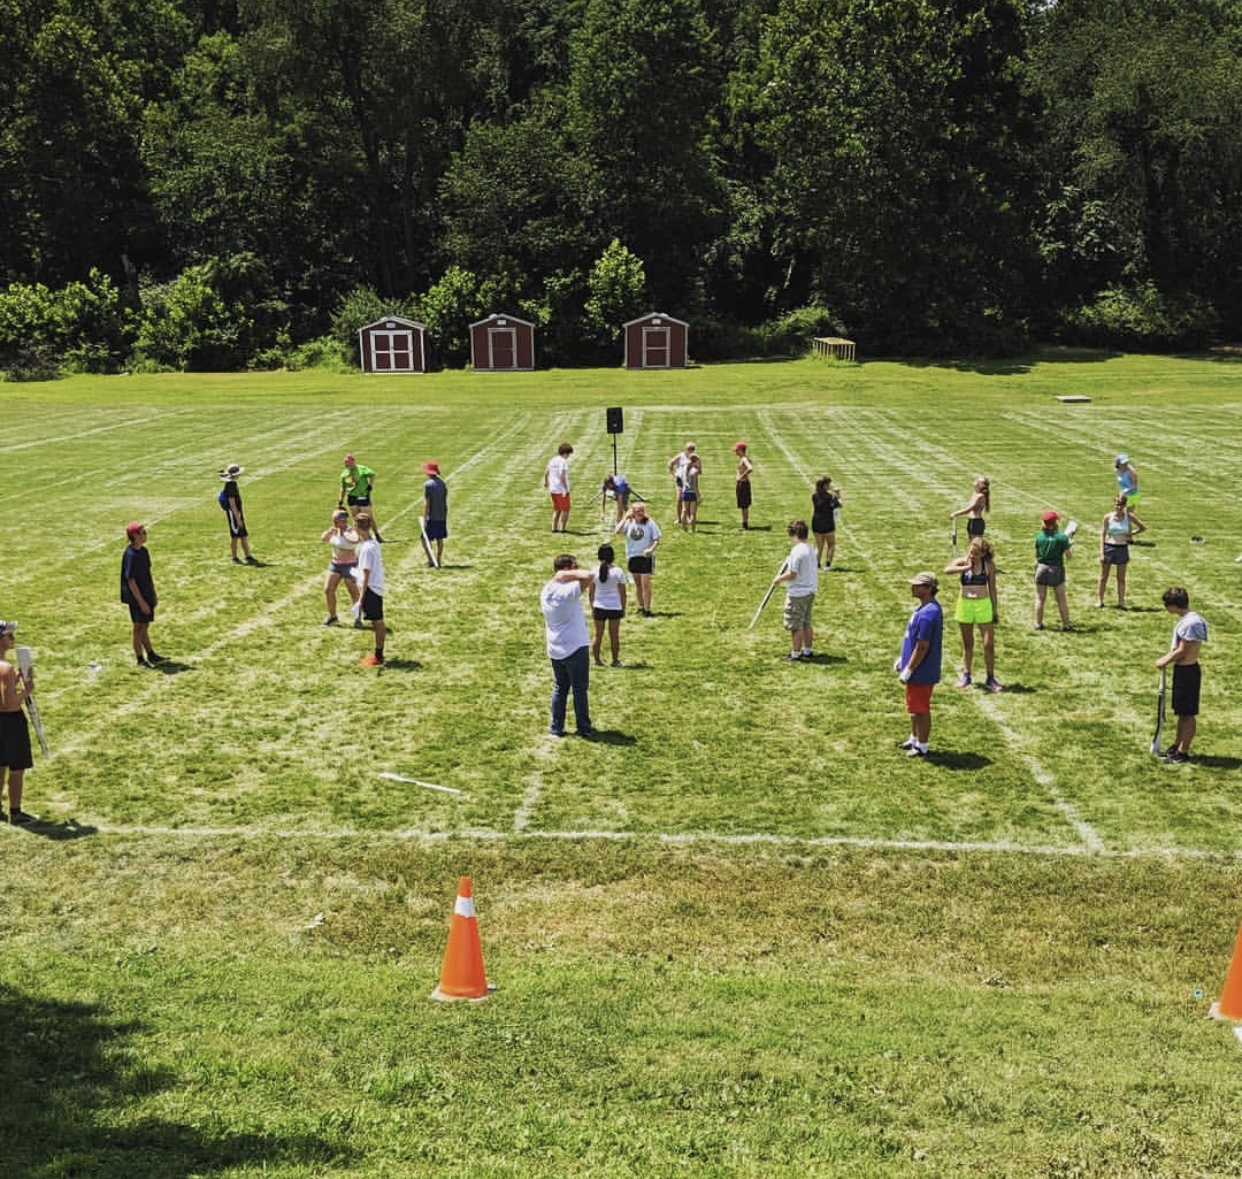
(918, 666)
(1127, 479)
(230, 500)
(15, 754)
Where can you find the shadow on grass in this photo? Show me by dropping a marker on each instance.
(67, 1076)
(58, 832)
(171, 667)
(401, 665)
(613, 737)
(951, 759)
(819, 658)
(1217, 762)
(1010, 366)
(1017, 688)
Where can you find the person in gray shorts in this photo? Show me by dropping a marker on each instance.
(1052, 548)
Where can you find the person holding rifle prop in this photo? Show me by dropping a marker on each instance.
(800, 574)
(16, 689)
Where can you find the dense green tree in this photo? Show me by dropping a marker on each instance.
(1143, 172)
(641, 95)
(898, 135)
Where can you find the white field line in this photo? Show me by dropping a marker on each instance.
(1090, 838)
(663, 838)
(311, 586)
(93, 432)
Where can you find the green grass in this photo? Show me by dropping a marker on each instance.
(741, 936)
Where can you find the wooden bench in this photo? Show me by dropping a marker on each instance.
(835, 346)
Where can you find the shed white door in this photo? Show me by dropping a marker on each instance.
(392, 352)
(655, 347)
(502, 347)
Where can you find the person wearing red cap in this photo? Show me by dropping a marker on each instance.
(357, 480)
(743, 489)
(138, 593)
(435, 514)
(1053, 548)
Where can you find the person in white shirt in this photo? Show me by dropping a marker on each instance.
(801, 574)
(1189, 634)
(568, 643)
(677, 468)
(642, 538)
(608, 596)
(556, 480)
(369, 574)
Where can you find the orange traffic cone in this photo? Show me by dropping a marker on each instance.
(1229, 1005)
(462, 975)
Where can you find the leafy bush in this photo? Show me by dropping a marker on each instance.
(1142, 317)
(448, 309)
(362, 306)
(617, 293)
(188, 325)
(83, 327)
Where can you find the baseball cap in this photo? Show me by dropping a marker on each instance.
(133, 528)
(1049, 516)
(7, 628)
(1122, 459)
(739, 445)
(431, 468)
(925, 578)
(350, 460)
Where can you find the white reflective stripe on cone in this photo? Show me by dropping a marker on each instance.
(464, 907)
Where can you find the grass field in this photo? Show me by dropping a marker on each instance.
(742, 935)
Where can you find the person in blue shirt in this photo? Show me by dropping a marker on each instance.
(918, 666)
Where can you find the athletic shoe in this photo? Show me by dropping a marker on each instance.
(153, 658)
(963, 680)
(371, 660)
(617, 663)
(357, 624)
(1099, 605)
(332, 620)
(992, 685)
(251, 561)
(20, 818)
(915, 751)
(794, 657)
(143, 663)
(1176, 757)
(237, 560)
(908, 743)
(588, 734)
(556, 732)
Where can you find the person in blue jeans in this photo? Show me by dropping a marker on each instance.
(569, 643)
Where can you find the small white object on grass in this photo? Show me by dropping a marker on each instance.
(415, 782)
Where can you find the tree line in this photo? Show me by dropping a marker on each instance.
(203, 184)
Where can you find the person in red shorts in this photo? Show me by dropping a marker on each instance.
(918, 666)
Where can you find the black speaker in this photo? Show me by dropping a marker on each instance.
(615, 425)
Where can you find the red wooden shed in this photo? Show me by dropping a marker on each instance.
(656, 341)
(502, 343)
(392, 346)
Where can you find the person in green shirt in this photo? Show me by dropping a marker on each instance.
(356, 483)
(1052, 548)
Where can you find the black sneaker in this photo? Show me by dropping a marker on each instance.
(153, 658)
(1175, 757)
(332, 621)
(21, 818)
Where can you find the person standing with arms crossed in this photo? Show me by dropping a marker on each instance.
(918, 666)
(568, 643)
(357, 481)
(801, 576)
(743, 489)
(15, 753)
(1189, 634)
(369, 574)
(556, 481)
(138, 593)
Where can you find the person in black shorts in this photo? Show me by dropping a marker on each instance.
(15, 754)
(138, 593)
(1189, 634)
